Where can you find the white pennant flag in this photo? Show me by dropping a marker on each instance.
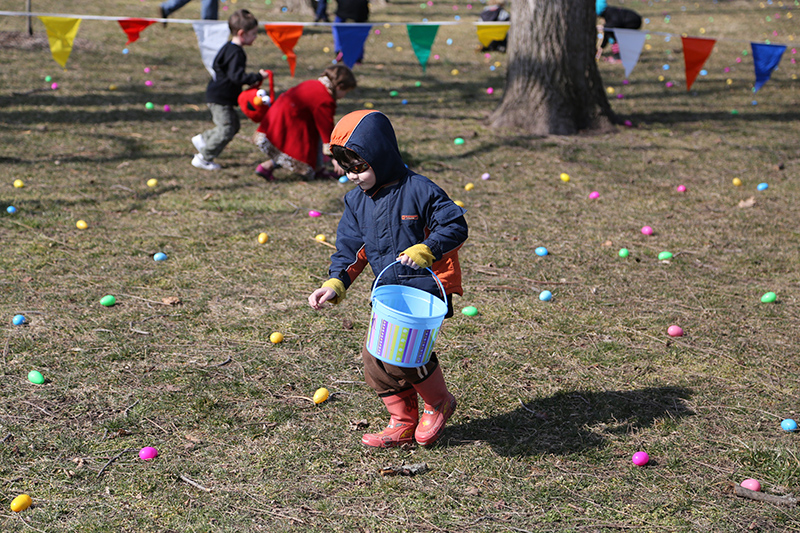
(630, 46)
(210, 38)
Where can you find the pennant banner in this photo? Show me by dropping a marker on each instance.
(695, 52)
(491, 32)
(765, 59)
(630, 47)
(210, 38)
(133, 27)
(349, 41)
(422, 37)
(61, 33)
(285, 37)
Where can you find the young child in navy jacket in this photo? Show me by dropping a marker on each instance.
(393, 215)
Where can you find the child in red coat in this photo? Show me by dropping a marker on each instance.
(299, 121)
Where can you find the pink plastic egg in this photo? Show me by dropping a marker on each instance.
(485, 176)
(647, 230)
(490, 90)
(640, 458)
(594, 194)
(751, 484)
(314, 214)
(54, 86)
(148, 83)
(146, 70)
(147, 453)
(675, 331)
(681, 188)
(167, 108)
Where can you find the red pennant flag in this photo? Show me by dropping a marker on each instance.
(132, 28)
(695, 52)
(285, 37)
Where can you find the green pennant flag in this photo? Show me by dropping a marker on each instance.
(422, 37)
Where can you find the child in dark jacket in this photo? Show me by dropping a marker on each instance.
(615, 17)
(393, 215)
(223, 90)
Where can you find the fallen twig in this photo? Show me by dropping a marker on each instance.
(326, 243)
(131, 406)
(742, 492)
(225, 362)
(193, 483)
(100, 473)
(405, 470)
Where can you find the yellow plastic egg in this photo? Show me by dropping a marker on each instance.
(112, 87)
(321, 395)
(262, 238)
(737, 182)
(23, 501)
(320, 237)
(564, 177)
(454, 72)
(152, 182)
(610, 90)
(276, 337)
(369, 105)
(729, 81)
(18, 184)
(469, 186)
(661, 78)
(81, 224)
(326, 50)
(459, 203)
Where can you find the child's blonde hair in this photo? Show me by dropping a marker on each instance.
(242, 20)
(341, 77)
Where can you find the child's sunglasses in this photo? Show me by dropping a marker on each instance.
(357, 168)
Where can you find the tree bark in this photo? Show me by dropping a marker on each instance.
(553, 86)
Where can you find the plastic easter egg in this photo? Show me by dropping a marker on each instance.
(459, 203)
(320, 237)
(11, 210)
(35, 377)
(789, 425)
(769, 297)
(470, 310)
(152, 182)
(276, 337)
(18, 320)
(108, 300)
(752, 484)
(564, 177)
(665, 256)
(640, 458)
(489, 90)
(647, 230)
(469, 186)
(160, 256)
(545, 296)
(393, 93)
(343, 179)
(54, 86)
(48, 79)
(737, 182)
(485, 176)
(149, 105)
(762, 186)
(20, 503)
(112, 87)
(541, 251)
(81, 224)
(454, 72)
(18, 184)
(321, 395)
(623, 253)
(594, 194)
(458, 141)
(147, 453)
(681, 188)
(675, 331)
(262, 238)
(149, 83)
(167, 108)
(314, 214)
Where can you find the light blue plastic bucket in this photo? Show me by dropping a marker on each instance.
(404, 323)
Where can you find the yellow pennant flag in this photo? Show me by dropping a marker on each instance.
(61, 33)
(491, 32)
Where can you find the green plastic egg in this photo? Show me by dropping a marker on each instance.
(623, 252)
(663, 256)
(458, 140)
(393, 93)
(108, 300)
(769, 297)
(470, 310)
(149, 105)
(34, 376)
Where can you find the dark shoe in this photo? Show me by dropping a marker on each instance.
(265, 173)
(162, 15)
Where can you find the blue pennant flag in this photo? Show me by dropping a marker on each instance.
(349, 39)
(765, 59)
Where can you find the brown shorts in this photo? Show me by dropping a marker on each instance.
(388, 380)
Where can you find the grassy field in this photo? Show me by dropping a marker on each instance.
(554, 398)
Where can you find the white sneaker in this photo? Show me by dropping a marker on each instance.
(198, 142)
(199, 162)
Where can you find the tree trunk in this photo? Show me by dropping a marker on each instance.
(302, 7)
(553, 86)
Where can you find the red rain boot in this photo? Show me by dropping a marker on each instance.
(405, 414)
(439, 407)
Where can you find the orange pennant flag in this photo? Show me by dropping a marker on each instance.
(695, 52)
(285, 37)
(133, 27)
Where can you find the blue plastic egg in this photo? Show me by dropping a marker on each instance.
(545, 296)
(762, 186)
(18, 320)
(160, 256)
(541, 251)
(343, 179)
(11, 209)
(789, 425)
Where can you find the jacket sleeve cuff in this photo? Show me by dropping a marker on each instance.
(420, 254)
(338, 286)
(326, 149)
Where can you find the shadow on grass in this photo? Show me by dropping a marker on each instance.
(572, 422)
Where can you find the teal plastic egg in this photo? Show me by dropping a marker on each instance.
(108, 300)
(470, 310)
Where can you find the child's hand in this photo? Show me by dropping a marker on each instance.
(338, 168)
(263, 73)
(320, 296)
(407, 261)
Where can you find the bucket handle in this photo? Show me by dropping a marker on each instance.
(438, 282)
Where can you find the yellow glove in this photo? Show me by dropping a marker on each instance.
(420, 254)
(337, 285)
